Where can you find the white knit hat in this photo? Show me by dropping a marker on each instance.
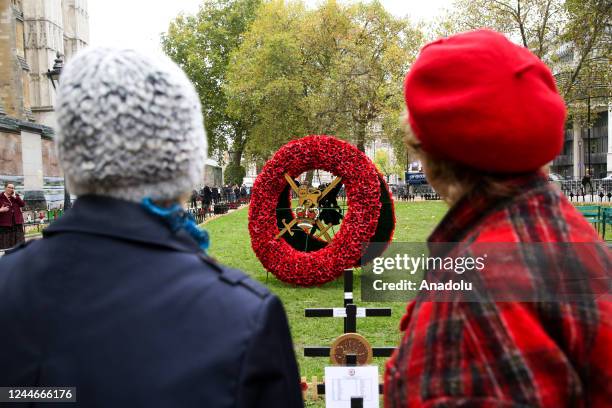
(130, 126)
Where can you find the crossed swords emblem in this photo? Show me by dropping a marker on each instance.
(308, 201)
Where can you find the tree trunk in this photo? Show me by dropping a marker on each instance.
(236, 156)
(309, 177)
(237, 149)
(521, 24)
(361, 135)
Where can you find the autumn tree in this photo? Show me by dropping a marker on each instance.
(271, 71)
(385, 164)
(572, 36)
(202, 44)
(323, 35)
(374, 56)
(535, 24)
(583, 70)
(266, 80)
(337, 69)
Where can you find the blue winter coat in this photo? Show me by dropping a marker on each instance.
(114, 303)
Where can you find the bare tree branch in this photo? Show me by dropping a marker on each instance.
(521, 23)
(542, 29)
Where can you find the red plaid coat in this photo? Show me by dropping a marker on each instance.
(507, 354)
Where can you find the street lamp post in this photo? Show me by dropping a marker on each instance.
(54, 75)
(589, 168)
(230, 160)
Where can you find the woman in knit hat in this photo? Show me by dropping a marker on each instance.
(485, 118)
(119, 299)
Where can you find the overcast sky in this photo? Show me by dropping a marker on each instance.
(138, 23)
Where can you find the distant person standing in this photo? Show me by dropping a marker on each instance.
(194, 199)
(11, 218)
(243, 192)
(206, 197)
(586, 181)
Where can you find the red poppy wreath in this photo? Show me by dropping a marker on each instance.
(278, 233)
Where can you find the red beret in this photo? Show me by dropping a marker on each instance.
(478, 99)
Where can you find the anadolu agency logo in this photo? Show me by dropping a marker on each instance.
(402, 275)
(487, 271)
(411, 265)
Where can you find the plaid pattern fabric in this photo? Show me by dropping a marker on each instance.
(508, 354)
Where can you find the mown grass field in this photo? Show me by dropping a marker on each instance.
(230, 244)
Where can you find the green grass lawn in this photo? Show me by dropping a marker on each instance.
(230, 244)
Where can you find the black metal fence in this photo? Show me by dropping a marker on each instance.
(412, 193)
(597, 191)
(201, 208)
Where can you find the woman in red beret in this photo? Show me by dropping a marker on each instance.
(485, 118)
(11, 217)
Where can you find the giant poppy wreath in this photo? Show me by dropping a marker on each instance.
(369, 218)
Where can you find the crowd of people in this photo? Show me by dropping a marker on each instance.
(210, 196)
(121, 299)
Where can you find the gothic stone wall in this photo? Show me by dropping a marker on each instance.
(51, 167)
(11, 71)
(11, 163)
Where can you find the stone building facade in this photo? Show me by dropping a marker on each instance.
(583, 149)
(32, 34)
(587, 149)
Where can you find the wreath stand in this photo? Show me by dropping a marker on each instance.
(350, 312)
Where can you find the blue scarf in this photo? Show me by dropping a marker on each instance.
(178, 219)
